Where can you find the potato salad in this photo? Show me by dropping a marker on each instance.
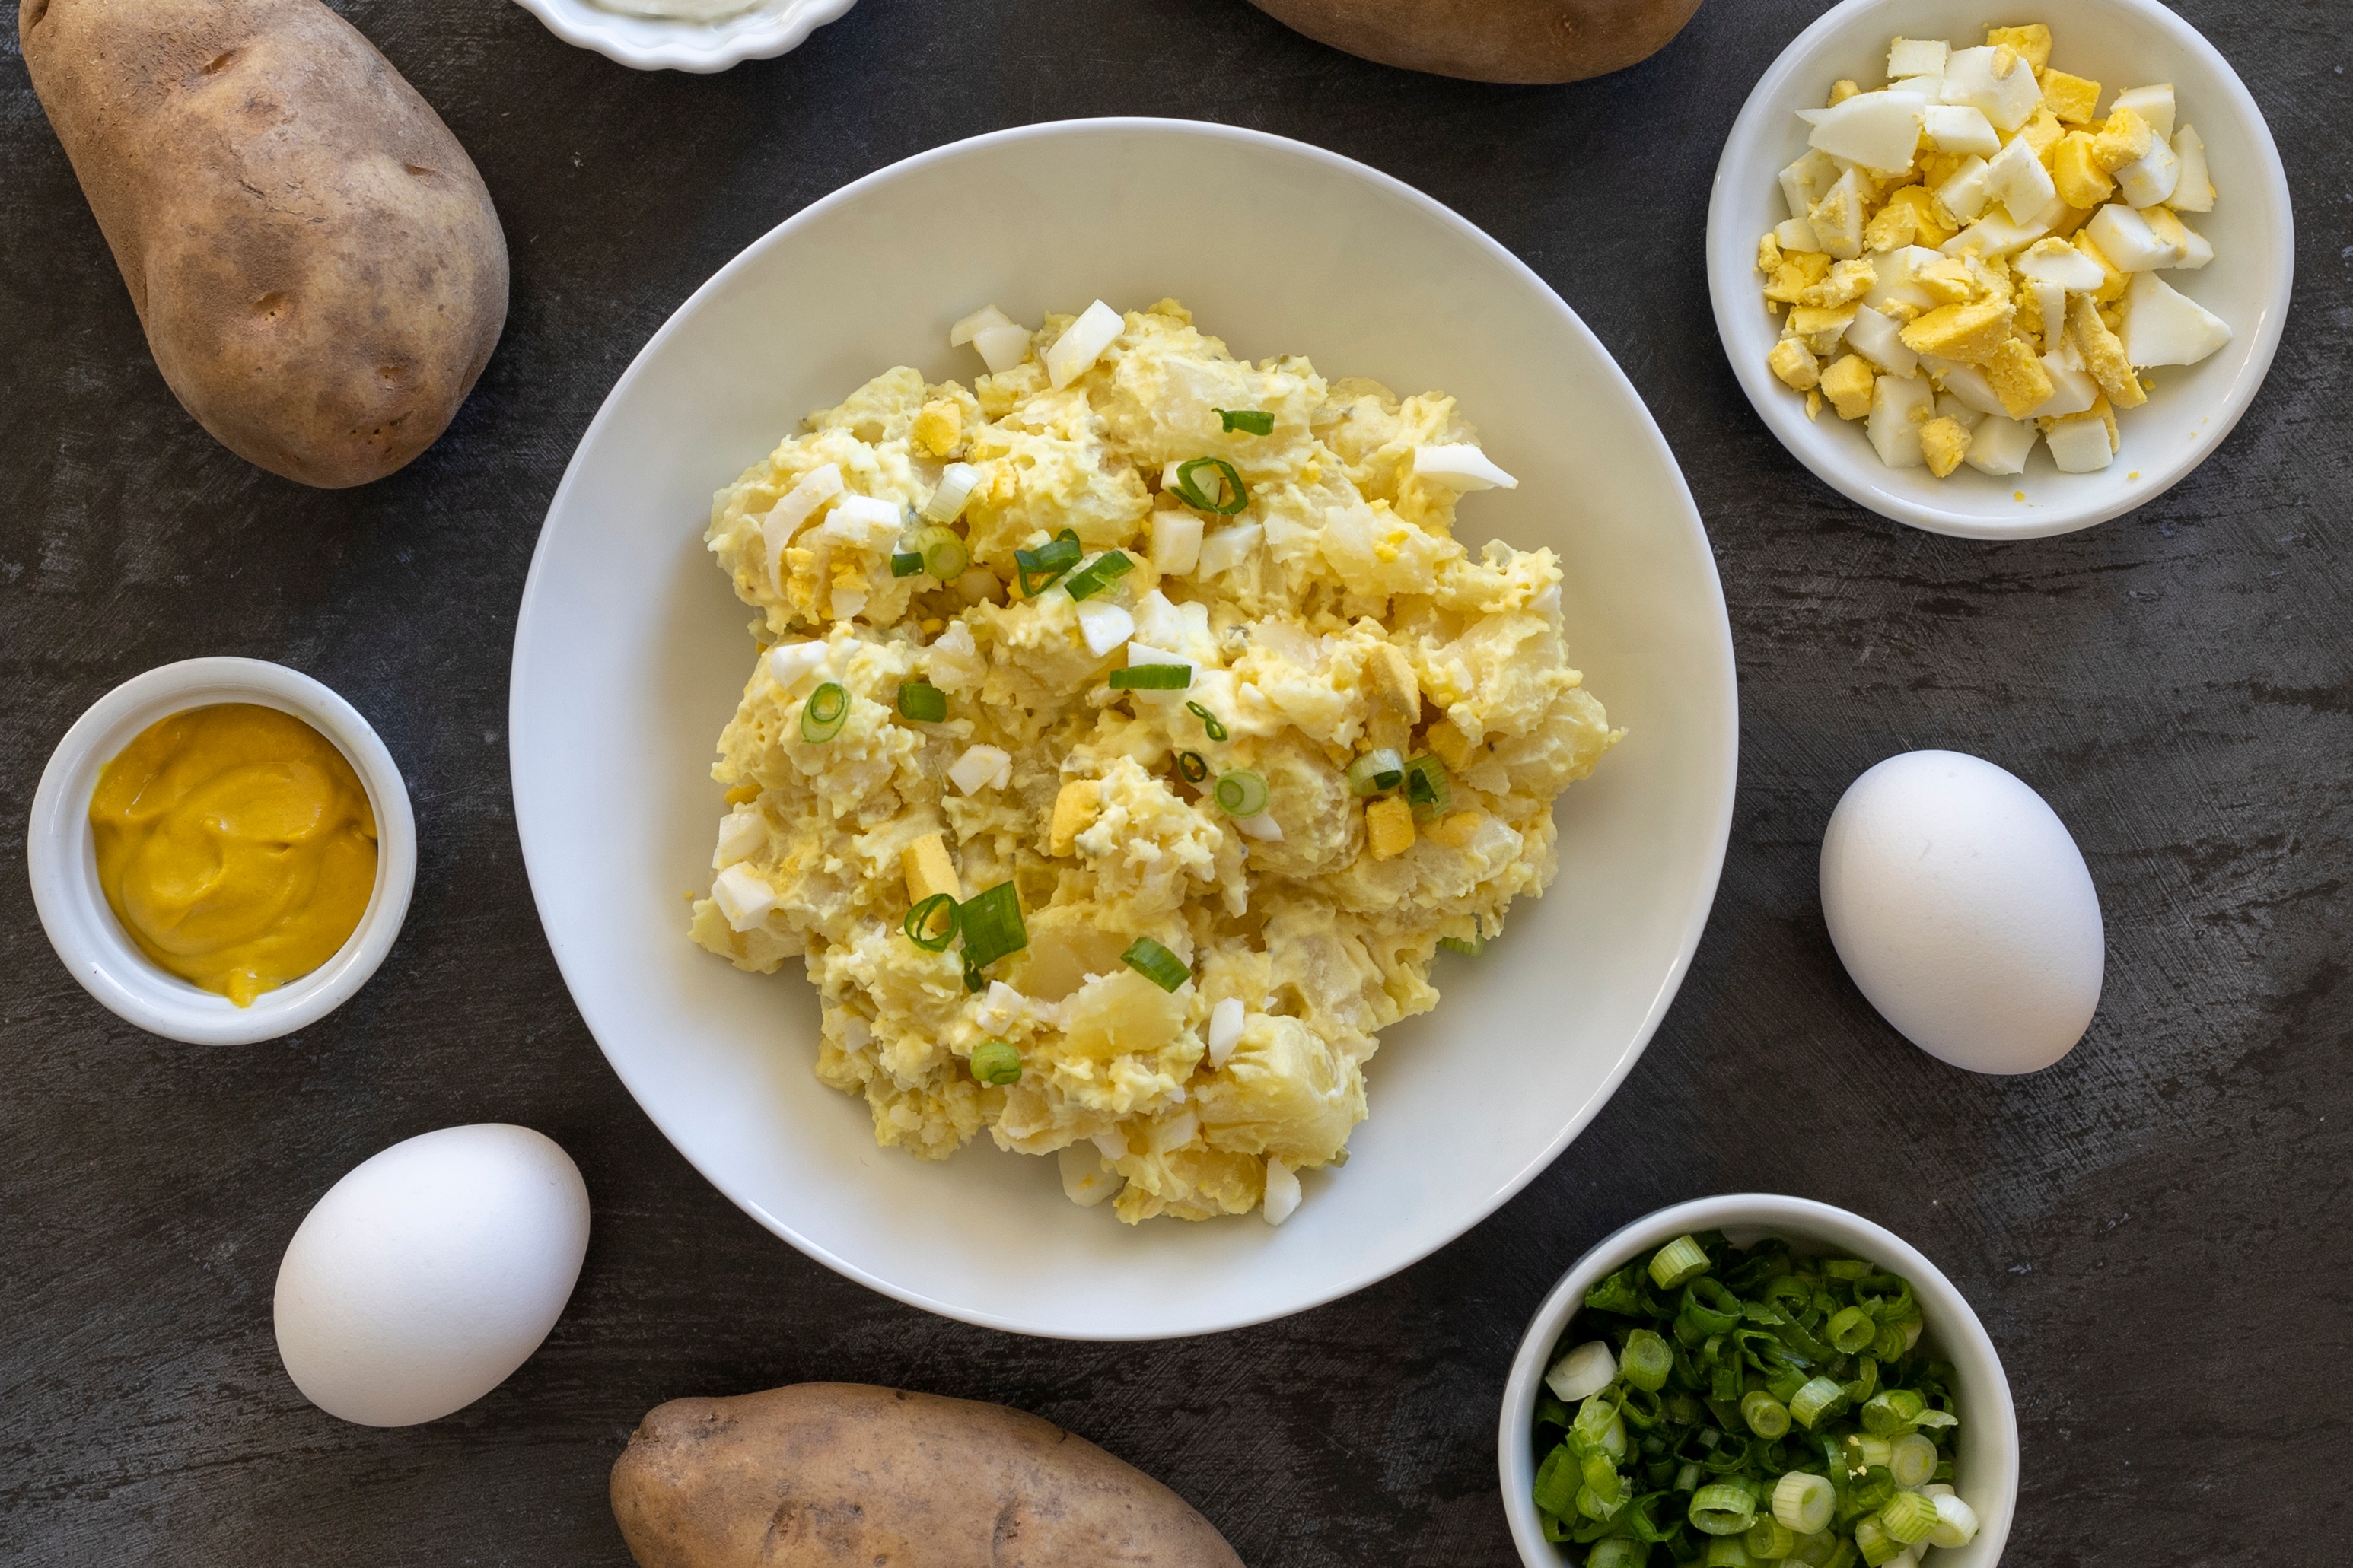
(1972, 256)
(1127, 735)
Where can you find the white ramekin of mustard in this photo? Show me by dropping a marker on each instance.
(222, 850)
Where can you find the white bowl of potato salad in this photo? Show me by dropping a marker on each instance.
(1997, 275)
(1032, 763)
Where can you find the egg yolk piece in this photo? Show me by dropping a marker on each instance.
(236, 846)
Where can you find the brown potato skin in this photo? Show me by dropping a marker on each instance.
(845, 1475)
(1492, 41)
(315, 260)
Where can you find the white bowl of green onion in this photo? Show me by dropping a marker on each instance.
(1753, 1380)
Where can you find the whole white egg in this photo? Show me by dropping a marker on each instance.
(429, 1273)
(1960, 903)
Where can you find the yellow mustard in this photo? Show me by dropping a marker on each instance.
(236, 846)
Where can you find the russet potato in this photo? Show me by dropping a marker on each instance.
(1492, 41)
(316, 262)
(845, 1475)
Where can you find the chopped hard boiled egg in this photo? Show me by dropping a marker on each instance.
(1969, 264)
(1461, 467)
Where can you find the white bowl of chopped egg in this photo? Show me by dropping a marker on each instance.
(697, 36)
(1169, 669)
(1998, 235)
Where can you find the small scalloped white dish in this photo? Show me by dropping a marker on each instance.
(2120, 44)
(61, 855)
(761, 31)
(1985, 1454)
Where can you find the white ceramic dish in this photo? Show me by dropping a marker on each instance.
(2120, 44)
(630, 653)
(61, 853)
(762, 31)
(1985, 1460)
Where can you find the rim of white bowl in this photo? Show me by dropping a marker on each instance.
(761, 32)
(1730, 287)
(718, 281)
(60, 853)
(1987, 1406)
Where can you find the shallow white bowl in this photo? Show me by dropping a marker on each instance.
(1985, 1458)
(768, 28)
(630, 653)
(2119, 44)
(60, 851)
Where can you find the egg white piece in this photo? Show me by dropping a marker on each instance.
(427, 1274)
(1961, 907)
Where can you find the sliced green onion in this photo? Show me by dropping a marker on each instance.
(996, 1062)
(1582, 1372)
(973, 978)
(1852, 1331)
(932, 924)
(1615, 1293)
(922, 701)
(1728, 1552)
(1767, 1416)
(1152, 678)
(1231, 497)
(1909, 1517)
(1711, 1306)
(1040, 569)
(1556, 1483)
(822, 716)
(1722, 1508)
(1891, 1411)
(1647, 1360)
(1912, 1460)
(1211, 725)
(992, 928)
(1098, 574)
(1820, 1396)
(1957, 1523)
(1611, 1551)
(1241, 793)
(1426, 787)
(1470, 946)
(1804, 1502)
(1376, 772)
(1870, 1538)
(907, 563)
(1257, 421)
(1875, 1487)
(945, 555)
(1768, 1540)
(1192, 767)
(1155, 963)
(1678, 1262)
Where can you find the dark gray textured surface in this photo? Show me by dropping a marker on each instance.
(2154, 1230)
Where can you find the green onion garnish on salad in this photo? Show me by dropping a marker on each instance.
(907, 563)
(1256, 421)
(1229, 495)
(932, 924)
(1192, 767)
(1472, 946)
(922, 701)
(1041, 568)
(1152, 678)
(996, 1062)
(1241, 793)
(1719, 1406)
(945, 552)
(1211, 725)
(1155, 963)
(1376, 772)
(1098, 574)
(822, 716)
(1426, 787)
(992, 929)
